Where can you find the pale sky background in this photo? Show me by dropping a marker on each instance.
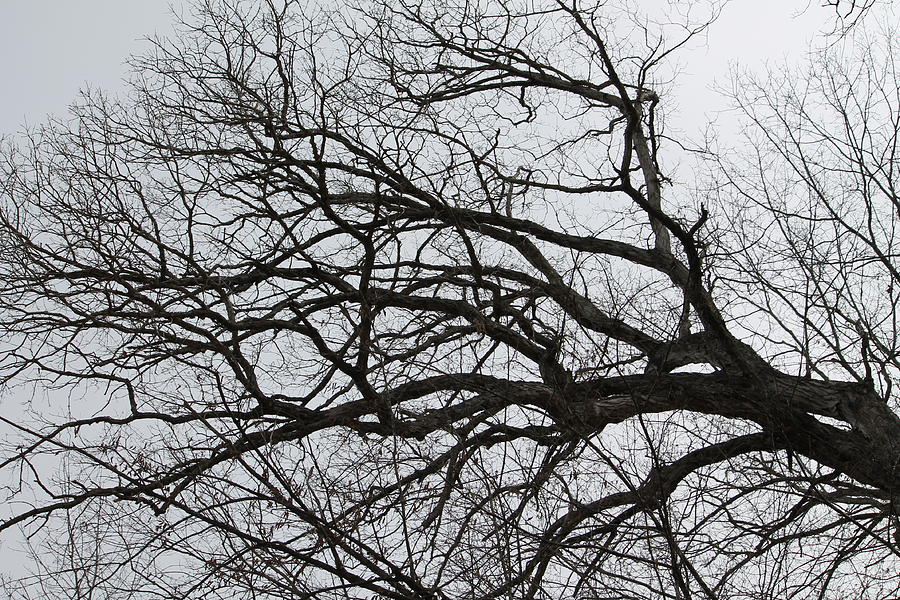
(49, 49)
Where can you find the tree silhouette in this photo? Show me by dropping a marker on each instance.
(398, 302)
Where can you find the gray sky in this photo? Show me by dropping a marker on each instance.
(49, 49)
(52, 48)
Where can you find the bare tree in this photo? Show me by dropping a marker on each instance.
(849, 13)
(398, 302)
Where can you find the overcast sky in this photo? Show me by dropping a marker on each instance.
(52, 48)
(49, 49)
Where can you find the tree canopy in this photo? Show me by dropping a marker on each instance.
(402, 300)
